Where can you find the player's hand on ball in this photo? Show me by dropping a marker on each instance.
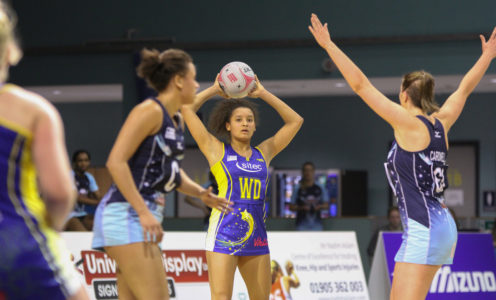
(218, 88)
(257, 89)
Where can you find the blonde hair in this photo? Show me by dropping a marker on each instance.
(10, 53)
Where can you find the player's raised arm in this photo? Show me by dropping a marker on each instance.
(452, 108)
(390, 111)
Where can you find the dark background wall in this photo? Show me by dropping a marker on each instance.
(62, 40)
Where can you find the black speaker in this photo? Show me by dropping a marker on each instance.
(353, 193)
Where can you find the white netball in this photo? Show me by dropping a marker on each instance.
(237, 79)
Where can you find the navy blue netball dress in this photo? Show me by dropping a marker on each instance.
(419, 180)
(155, 170)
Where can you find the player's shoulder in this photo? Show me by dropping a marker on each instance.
(31, 101)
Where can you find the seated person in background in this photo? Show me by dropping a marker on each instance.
(308, 200)
(394, 224)
(81, 219)
(195, 202)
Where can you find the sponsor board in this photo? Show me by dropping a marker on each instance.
(186, 265)
(327, 265)
(471, 276)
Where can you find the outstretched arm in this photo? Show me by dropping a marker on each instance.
(209, 145)
(292, 123)
(390, 111)
(191, 188)
(452, 108)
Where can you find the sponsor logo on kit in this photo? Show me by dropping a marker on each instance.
(170, 133)
(249, 167)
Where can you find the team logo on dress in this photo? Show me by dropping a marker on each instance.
(170, 133)
(232, 158)
(249, 167)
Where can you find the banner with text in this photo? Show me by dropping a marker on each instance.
(304, 265)
(471, 276)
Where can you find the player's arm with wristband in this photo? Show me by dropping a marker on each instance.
(191, 188)
(144, 120)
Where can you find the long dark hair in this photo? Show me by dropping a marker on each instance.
(222, 113)
(419, 85)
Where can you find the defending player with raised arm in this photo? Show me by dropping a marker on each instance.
(239, 239)
(416, 164)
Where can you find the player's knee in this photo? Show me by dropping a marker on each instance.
(221, 295)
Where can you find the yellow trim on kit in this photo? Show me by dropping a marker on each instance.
(220, 177)
(48, 239)
(29, 188)
(16, 127)
(267, 178)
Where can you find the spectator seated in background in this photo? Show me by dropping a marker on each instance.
(81, 218)
(394, 224)
(308, 200)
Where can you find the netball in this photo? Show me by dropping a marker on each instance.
(237, 79)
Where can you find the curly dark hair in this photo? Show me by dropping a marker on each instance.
(159, 68)
(222, 113)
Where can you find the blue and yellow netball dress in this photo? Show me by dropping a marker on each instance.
(34, 263)
(242, 181)
(418, 180)
(155, 169)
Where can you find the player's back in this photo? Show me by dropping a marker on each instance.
(32, 255)
(19, 110)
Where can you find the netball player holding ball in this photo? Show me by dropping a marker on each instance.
(144, 164)
(416, 164)
(239, 239)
